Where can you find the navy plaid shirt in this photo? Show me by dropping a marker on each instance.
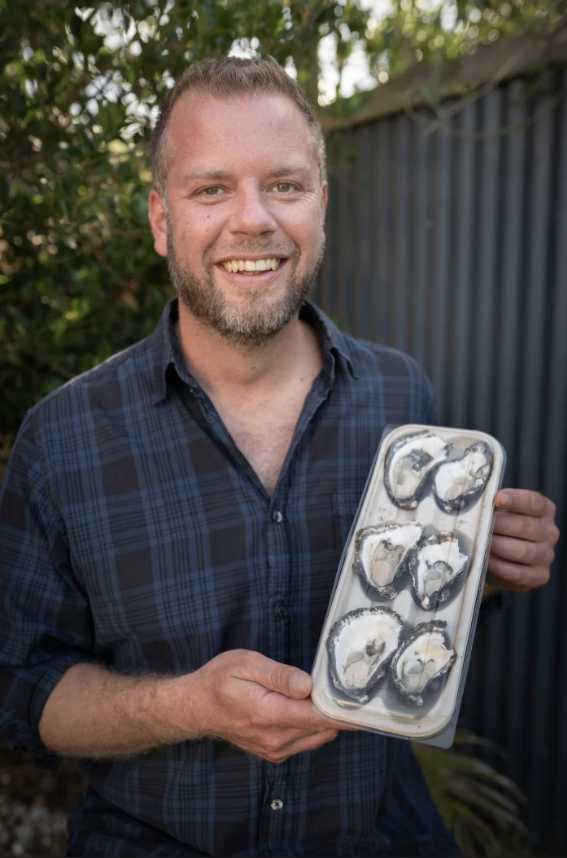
(136, 534)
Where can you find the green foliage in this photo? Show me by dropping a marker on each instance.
(481, 807)
(437, 31)
(79, 88)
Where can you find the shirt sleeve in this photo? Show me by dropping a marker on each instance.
(45, 620)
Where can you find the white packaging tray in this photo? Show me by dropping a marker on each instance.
(388, 711)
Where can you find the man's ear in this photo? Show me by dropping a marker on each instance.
(324, 196)
(157, 215)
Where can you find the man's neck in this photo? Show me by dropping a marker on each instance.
(225, 369)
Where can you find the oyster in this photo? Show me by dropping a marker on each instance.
(408, 464)
(381, 556)
(360, 646)
(422, 663)
(437, 569)
(458, 483)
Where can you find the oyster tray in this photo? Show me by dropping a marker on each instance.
(396, 641)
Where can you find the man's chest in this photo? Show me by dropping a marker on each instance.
(263, 428)
(264, 442)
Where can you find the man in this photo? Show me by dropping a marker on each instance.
(173, 521)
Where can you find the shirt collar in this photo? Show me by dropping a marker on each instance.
(168, 358)
(331, 338)
(163, 355)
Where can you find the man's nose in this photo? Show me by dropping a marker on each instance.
(251, 213)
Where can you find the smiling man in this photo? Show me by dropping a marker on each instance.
(172, 521)
(240, 223)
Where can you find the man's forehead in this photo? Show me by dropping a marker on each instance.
(200, 107)
(202, 124)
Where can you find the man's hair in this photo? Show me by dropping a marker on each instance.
(227, 76)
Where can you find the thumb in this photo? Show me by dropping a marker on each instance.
(279, 677)
(298, 684)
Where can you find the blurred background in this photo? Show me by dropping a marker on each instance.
(446, 126)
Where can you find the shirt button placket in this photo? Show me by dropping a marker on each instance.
(276, 806)
(278, 584)
(277, 817)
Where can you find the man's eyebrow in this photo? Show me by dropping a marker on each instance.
(224, 175)
(206, 176)
(288, 170)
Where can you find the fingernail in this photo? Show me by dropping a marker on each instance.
(504, 499)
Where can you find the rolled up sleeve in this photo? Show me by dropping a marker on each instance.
(45, 620)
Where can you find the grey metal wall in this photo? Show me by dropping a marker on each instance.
(447, 237)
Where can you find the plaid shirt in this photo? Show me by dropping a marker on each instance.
(135, 534)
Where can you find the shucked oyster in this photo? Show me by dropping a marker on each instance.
(381, 556)
(458, 483)
(437, 569)
(408, 464)
(423, 662)
(360, 646)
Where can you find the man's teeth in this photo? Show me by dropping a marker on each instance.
(236, 265)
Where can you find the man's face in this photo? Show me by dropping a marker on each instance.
(242, 219)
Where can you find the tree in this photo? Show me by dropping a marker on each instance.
(79, 89)
(414, 31)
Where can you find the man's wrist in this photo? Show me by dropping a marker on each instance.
(172, 704)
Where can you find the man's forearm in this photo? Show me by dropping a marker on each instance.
(243, 697)
(95, 713)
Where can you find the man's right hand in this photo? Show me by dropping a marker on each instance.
(240, 696)
(257, 704)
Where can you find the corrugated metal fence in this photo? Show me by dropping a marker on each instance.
(447, 237)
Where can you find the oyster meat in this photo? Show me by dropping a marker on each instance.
(360, 646)
(458, 483)
(422, 664)
(437, 569)
(408, 464)
(381, 555)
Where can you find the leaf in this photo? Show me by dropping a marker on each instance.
(481, 806)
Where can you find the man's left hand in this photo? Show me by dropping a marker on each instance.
(524, 538)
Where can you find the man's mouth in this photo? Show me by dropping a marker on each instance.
(252, 266)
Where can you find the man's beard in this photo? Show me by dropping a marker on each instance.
(249, 325)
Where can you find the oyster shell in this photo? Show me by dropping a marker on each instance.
(437, 569)
(408, 464)
(422, 663)
(458, 483)
(381, 555)
(360, 646)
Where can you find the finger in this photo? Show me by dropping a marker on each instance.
(525, 502)
(299, 746)
(526, 527)
(522, 551)
(284, 712)
(277, 739)
(273, 675)
(511, 576)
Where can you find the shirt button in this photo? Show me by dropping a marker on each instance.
(276, 804)
(277, 517)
